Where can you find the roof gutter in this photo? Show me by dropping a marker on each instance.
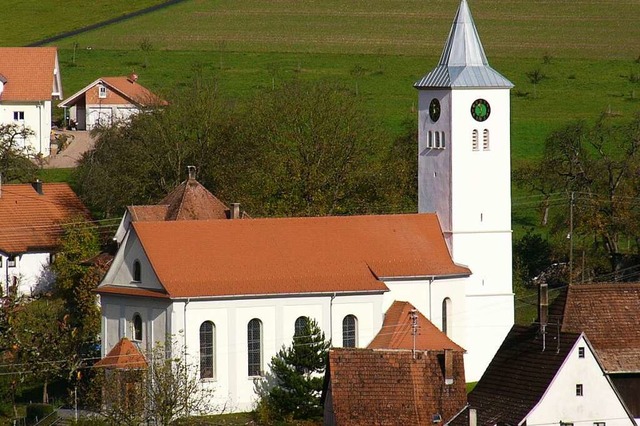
(275, 295)
(424, 277)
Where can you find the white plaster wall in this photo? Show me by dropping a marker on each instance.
(234, 389)
(29, 269)
(107, 114)
(599, 402)
(37, 116)
(121, 273)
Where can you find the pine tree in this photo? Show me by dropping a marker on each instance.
(299, 372)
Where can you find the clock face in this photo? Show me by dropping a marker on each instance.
(480, 110)
(434, 110)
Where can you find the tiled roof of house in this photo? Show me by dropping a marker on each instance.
(28, 72)
(382, 387)
(518, 375)
(397, 331)
(294, 255)
(30, 221)
(127, 88)
(607, 314)
(124, 355)
(192, 201)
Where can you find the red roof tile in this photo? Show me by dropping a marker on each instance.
(294, 255)
(379, 387)
(607, 314)
(123, 355)
(124, 90)
(29, 72)
(192, 201)
(148, 213)
(397, 331)
(131, 291)
(32, 222)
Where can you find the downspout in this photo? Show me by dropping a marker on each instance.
(333, 296)
(430, 300)
(40, 124)
(184, 336)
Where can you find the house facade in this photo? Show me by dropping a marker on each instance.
(108, 100)
(29, 82)
(550, 377)
(31, 219)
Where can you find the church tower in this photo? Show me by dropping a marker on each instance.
(464, 176)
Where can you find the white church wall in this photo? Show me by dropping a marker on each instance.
(597, 404)
(123, 273)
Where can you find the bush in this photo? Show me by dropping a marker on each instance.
(37, 412)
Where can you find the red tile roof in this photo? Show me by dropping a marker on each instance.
(32, 222)
(192, 201)
(607, 314)
(124, 90)
(131, 291)
(29, 72)
(294, 255)
(518, 376)
(397, 331)
(380, 387)
(124, 355)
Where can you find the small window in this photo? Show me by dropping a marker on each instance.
(599, 424)
(207, 350)
(18, 115)
(446, 316)
(474, 140)
(442, 144)
(430, 140)
(485, 140)
(102, 92)
(300, 326)
(137, 271)
(1, 259)
(137, 327)
(350, 331)
(566, 423)
(579, 390)
(437, 144)
(254, 347)
(581, 352)
(11, 262)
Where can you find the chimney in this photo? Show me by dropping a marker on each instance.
(133, 78)
(235, 210)
(37, 185)
(448, 367)
(473, 417)
(543, 311)
(191, 170)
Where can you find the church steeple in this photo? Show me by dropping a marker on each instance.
(463, 62)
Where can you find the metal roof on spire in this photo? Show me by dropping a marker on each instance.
(463, 62)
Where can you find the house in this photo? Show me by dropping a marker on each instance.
(29, 81)
(243, 284)
(108, 100)
(385, 387)
(545, 378)
(604, 312)
(188, 201)
(31, 222)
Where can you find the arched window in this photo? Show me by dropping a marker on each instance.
(300, 326)
(443, 145)
(446, 316)
(207, 350)
(137, 271)
(137, 327)
(430, 140)
(437, 143)
(349, 331)
(485, 139)
(474, 140)
(254, 347)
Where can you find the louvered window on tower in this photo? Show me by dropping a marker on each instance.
(430, 139)
(474, 140)
(437, 145)
(485, 139)
(442, 144)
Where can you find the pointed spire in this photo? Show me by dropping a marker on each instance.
(463, 62)
(463, 46)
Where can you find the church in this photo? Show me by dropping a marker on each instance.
(233, 292)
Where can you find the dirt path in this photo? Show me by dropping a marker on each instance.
(80, 143)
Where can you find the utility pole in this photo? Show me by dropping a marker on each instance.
(571, 238)
(414, 329)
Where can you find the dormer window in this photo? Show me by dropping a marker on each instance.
(102, 92)
(137, 271)
(136, 324)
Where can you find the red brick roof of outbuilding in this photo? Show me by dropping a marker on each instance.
(29, 72)
(33, 222)
(518, 376)
(294, 255)
(133, 90)
(397, 331)
(383, 387)
(124, 355)
(607, 314)
(192, 201)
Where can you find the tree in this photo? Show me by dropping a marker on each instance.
(593, 171)
(167, 389)
(15, 164)
(294, 388)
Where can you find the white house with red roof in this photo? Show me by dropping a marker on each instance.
(108, 100)
(233, 291)
(29, 81)
(31, 224)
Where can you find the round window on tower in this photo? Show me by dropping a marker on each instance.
(434, 110)
(480, 110)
